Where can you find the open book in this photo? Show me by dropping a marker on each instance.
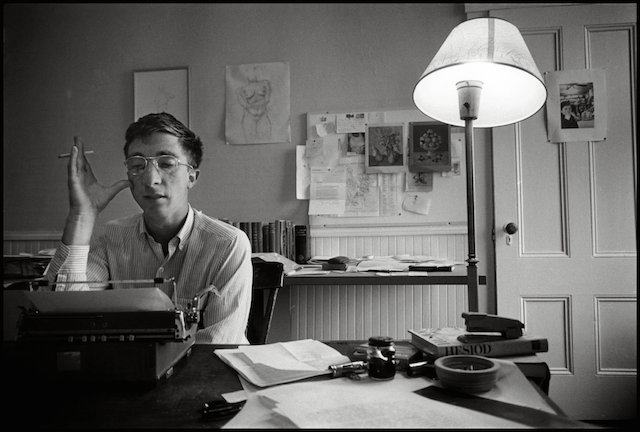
(281, 362)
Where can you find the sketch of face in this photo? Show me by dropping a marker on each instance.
(566, 110)
(254, 97)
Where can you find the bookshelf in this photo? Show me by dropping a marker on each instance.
(281, 236)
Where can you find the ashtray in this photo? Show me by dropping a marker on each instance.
(467, 373)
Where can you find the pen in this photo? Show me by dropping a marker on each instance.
(66, 155)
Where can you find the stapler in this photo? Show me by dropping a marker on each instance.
(509, 328)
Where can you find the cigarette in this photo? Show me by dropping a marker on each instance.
(66, 155)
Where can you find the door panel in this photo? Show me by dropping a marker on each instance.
(569, 272)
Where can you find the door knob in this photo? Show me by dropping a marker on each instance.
(510, 228)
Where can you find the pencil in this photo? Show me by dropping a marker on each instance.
(66, 155)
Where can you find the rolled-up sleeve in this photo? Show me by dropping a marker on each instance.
(69, 264)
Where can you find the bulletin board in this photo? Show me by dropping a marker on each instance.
(439, 201)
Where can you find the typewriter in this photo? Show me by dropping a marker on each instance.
(135, 335)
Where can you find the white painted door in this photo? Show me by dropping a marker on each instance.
(569, 272)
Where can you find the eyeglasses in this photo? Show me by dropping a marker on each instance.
(165, 163)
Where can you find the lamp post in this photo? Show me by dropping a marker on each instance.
(483, 75)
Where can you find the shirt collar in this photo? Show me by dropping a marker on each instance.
(182, 235)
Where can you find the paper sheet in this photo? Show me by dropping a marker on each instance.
(303, 174)
(327, 191)
(321, 125)
(361, 189)
(344, 403)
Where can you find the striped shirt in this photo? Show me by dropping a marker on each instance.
(206, 254)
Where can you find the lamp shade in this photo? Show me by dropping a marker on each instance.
(493, 52)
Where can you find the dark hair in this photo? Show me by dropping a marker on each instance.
(165, 123)
(564, 104)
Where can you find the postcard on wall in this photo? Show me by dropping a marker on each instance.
(430, 147)
(350, 122)
(257, 103)
(576, 105)
(355, 143)
(419, 182)
(385, 148)
(164, 90)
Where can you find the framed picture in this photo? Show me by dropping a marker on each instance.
(385, 148)
(163, 90)
(576, 105)
(430, 147)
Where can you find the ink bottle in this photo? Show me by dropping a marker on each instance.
(381, 358)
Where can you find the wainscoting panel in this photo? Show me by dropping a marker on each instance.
(29, 242)
(329, 312)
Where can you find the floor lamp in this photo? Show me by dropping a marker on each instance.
(482, 73)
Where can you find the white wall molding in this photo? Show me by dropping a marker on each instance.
(31, 235)
(388, 230)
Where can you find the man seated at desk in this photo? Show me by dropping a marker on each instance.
(169, 239)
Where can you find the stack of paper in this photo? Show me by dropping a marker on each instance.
(282, 362)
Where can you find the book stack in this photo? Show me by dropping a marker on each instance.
(446, 341)
(280, 236)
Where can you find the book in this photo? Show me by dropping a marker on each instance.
(256, 236)
(432, 267)
(301, 248)
(456, 341)
(334, 266)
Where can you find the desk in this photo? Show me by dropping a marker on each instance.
(174, 403)
(456, 277)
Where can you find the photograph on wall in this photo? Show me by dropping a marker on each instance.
(355, 143)
(385, 148)
(576, 105)
(162, 90)
(257, 104)
(429, 147)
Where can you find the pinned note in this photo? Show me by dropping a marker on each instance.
(417, 203)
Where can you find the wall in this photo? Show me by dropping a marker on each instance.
(68, 70)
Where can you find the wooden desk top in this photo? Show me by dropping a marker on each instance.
(456, 277)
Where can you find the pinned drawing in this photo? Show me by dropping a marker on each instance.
(257, 103)
(164, 90)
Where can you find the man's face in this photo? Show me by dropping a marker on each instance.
(162, 194)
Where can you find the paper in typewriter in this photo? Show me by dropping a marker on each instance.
(118, 300)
